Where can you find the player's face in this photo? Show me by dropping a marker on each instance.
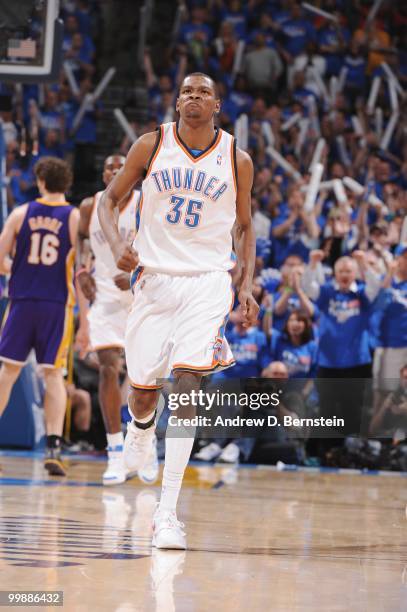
(113, 164)
(197, 100)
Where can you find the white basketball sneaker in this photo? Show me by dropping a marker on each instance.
(137, 446)
(149, 472)
(209, 452)
(167, 531)
(116, 472)
(230, 454)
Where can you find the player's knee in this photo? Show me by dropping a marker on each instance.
(109, 372)
(53, 375)
(142, 402)
(188, 381)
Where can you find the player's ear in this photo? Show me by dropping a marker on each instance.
(177, 105)
(217, 107)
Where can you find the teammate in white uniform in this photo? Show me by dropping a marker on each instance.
(103, 329)
(196, 188)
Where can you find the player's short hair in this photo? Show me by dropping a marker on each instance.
(205, 76)
(55, 172)
(113, 155)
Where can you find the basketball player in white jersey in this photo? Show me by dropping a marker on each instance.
(103, 326)
(196, 188)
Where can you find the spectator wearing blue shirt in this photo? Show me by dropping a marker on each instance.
(79, 56)
(391, 355)
(196, 36)
(240, 97)
(297, 32)
(236, 16)
(344, 344)
(51, 117)
(332, 40)
(71, 27)
(355, 62)
(294, 231)
(265, 28)
(295, 346)
(286, 295)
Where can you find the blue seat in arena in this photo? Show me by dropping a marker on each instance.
(17, 425)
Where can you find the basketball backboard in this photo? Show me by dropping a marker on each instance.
(30, 40)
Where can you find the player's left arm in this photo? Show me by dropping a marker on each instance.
(74, 225)
(8, 237)
(244, 237)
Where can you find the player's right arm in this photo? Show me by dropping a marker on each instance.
(133, 170)
(85, 280)
(8, 237)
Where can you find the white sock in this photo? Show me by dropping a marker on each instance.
(115, 439)
(177, 453)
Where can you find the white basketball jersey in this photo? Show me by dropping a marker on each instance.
(188, 206)
(105, 268)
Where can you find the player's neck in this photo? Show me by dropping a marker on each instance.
(196, 137)
(53, 197)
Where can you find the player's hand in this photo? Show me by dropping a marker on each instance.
(82, 341)
(250, 307)
(87, 285)
(125, 256)
(122, 281)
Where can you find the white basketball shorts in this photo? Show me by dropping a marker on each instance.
(107, 321)
(177, 323)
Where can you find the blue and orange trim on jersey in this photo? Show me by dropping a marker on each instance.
(135, 277)
(145, 387)
(233, 158)
(156, 149)
(186, 149)
(139, 209)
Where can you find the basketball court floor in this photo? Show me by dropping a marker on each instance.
(258, 540)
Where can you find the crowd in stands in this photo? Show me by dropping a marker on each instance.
(331, 277)
(38, 119)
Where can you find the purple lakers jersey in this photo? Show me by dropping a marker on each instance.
(43, 262)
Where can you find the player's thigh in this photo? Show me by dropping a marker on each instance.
(53, 334)
(18, 332)
(148, 337)
(107, 325)
(199, 332)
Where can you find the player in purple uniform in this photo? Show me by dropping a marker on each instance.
(40, 237)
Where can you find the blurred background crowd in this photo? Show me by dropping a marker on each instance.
(321, 85)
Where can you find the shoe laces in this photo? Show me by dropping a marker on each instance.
(115, 459)
(138, 437)
(169, 519)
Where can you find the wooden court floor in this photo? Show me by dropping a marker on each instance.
(258, 540)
